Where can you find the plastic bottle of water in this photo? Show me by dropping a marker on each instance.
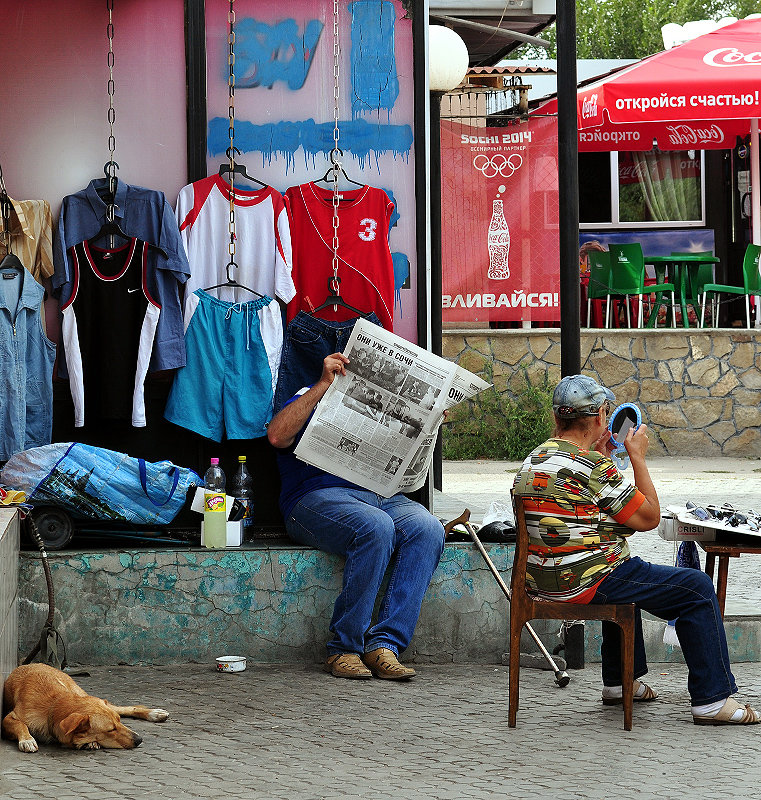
(242, 488)
(214, 506)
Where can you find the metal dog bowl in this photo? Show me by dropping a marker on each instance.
(231, 663)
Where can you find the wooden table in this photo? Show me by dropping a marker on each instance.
(677, 269)
(724, 551)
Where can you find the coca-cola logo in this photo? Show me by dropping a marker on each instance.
(589, 107)
(731, 57)
(686, 134)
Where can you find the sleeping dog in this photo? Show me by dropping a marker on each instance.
(42, 703)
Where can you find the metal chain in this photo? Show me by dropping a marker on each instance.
(336, 152)
(111, 116)
(5, 212)
(231, 131)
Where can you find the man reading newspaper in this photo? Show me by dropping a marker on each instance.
(333, 514)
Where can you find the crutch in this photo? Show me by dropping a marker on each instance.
(561, 676)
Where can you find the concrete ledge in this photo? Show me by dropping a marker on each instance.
(273, 603)
(9, 550)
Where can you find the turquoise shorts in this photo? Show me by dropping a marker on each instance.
(226, 387)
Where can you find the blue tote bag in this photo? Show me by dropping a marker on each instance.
(100, 484)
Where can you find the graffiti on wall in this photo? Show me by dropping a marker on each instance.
(284, 80)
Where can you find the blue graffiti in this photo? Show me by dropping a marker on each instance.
(401, 277)
(361, 138)
(268, 53)
(373, 61)
(395, 213)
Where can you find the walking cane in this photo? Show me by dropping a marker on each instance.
(561, 676)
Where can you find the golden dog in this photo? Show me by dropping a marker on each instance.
(41, 702)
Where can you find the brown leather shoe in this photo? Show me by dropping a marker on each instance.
(347, 665)
(384, 664)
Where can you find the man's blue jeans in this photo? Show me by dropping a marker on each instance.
(372, 532)
(686, 595)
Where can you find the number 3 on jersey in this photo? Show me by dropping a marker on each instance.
(367, 229)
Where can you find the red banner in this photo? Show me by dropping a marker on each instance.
(499, 210)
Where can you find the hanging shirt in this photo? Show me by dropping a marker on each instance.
(26, 365)
(365, 266)
(146, 215)
(262, 241)
(108, 329)
(31, 236)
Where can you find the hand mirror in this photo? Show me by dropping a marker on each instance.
(622, 418)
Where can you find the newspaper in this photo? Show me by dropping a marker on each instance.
(376, 426)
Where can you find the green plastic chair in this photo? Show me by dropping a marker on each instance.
(598, 287)
(751, 285)
(627, 277)
(696, 281)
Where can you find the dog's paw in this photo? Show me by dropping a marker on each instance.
(28, 745)
(158, 715)
(90, 746)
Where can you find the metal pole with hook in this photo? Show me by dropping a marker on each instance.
(561, 676)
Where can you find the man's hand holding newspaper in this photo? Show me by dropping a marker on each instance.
(377, 423)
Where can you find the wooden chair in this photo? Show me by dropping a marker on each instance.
(524, 608)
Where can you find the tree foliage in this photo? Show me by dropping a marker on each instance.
(632, 28)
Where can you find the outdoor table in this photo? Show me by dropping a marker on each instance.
(677, 268)
(724, 551)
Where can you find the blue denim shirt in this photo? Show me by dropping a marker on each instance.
(146, 214)
(26, 365)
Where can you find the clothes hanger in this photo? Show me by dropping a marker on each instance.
(334, 298)
(10, 259)
(232, 167)
(111, 227)
(336, 167)
(231, 283)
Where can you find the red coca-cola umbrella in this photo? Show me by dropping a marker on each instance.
(700, 95)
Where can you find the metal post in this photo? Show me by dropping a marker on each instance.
(568, 175)
(195, 71)
(436, 268)
(568, 180)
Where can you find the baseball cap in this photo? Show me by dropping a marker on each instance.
(579, 396)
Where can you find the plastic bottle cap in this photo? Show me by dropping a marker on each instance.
(215, 461)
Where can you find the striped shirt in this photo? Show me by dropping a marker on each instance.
(31, 231)
(577, 504)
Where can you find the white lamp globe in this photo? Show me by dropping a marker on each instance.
(447, 59)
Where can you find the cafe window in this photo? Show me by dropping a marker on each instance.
(641, 189)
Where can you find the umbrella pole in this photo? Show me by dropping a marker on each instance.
(755, 197)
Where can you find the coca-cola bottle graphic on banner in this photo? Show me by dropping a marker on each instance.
(499, 243)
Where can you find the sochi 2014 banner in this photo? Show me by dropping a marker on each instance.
(499, 211)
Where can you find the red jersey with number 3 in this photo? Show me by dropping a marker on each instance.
(365, 266)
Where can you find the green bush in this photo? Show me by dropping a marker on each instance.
(496, 426)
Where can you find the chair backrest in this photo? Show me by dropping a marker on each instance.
(599, 274)
(627, 268)
(751, 277)
(701, 276)
(520, 558)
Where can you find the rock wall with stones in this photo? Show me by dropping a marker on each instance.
(698, 392)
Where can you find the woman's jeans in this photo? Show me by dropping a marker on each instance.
(686, 595)
(372, 532)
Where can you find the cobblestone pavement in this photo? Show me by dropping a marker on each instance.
(476, 484)
(299, 734)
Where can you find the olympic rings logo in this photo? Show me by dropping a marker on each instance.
(498, 164)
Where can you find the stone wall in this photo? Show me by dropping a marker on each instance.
(698, 391)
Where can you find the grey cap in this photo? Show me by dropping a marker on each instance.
(579, 396)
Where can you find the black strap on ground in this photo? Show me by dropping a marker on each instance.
(50, 647)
